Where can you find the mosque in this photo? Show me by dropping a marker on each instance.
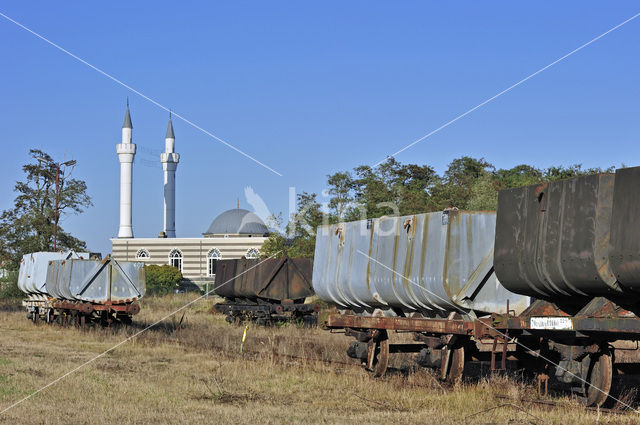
(235, 233)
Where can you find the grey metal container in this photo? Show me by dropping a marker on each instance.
(96, 281)
(432, 263)
(32, 276)
(552, 240)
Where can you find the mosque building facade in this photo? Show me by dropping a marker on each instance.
(235, 233)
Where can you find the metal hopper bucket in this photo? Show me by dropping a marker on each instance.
(34, 267)
(112, 281)
(96, 281)
(432, 263)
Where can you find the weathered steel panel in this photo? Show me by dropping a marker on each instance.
(625, 229)
(552, 240)
(33, 269)
(429, 263)
(71, 276)
(225, 274)
(96, 281)
(273, 279)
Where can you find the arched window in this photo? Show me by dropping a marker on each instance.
(175, 259)
(253, 253)
(212, 261)
(142, 254)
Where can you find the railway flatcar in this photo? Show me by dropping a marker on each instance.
(266, 291)
(552, 281)
(404, 273)
(68, 287)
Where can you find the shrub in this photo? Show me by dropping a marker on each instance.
(9, 286)
(162, 279)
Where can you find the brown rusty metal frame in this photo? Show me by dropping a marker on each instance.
(606, 328)
(601, 329)
(600, 320)
(88, 308)
(436, 326)
(378, 352)
(502, 350)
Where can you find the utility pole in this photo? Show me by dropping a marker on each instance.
(56, 213)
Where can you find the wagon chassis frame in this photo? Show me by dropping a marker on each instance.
(600, 328)
(79, 312)
(600, 320)
(591, 340)
(267, 312)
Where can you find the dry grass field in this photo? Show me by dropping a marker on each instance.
(194, 373)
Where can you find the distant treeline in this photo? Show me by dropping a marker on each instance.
(393, 187)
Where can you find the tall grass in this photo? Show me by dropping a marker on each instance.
(190, 370)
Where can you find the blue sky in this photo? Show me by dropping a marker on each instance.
(308, 89)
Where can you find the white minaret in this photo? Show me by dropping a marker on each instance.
(126, 151)
(169, 161)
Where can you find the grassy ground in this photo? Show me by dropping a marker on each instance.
(194, 373)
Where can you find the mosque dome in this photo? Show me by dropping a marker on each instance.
(237, 222)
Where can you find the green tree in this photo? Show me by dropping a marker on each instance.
(29, 226)
(161, 280)
(393, 188)
(9, 286)
(341, 186)
(457, 184)
(413, 185)
(300, 238)
(518, 176)
(307, 218)
(484, 196)
(276, 245)
(558, 172)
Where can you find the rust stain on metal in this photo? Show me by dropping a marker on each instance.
(408, 259)
(370, 252)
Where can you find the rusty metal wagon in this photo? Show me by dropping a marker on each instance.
(571, 245)
(266, 291)
(71, 288)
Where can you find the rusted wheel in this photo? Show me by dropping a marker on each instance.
(599, 378)
(378, 353)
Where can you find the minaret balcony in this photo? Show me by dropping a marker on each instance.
(126, 148)
(169, 157)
